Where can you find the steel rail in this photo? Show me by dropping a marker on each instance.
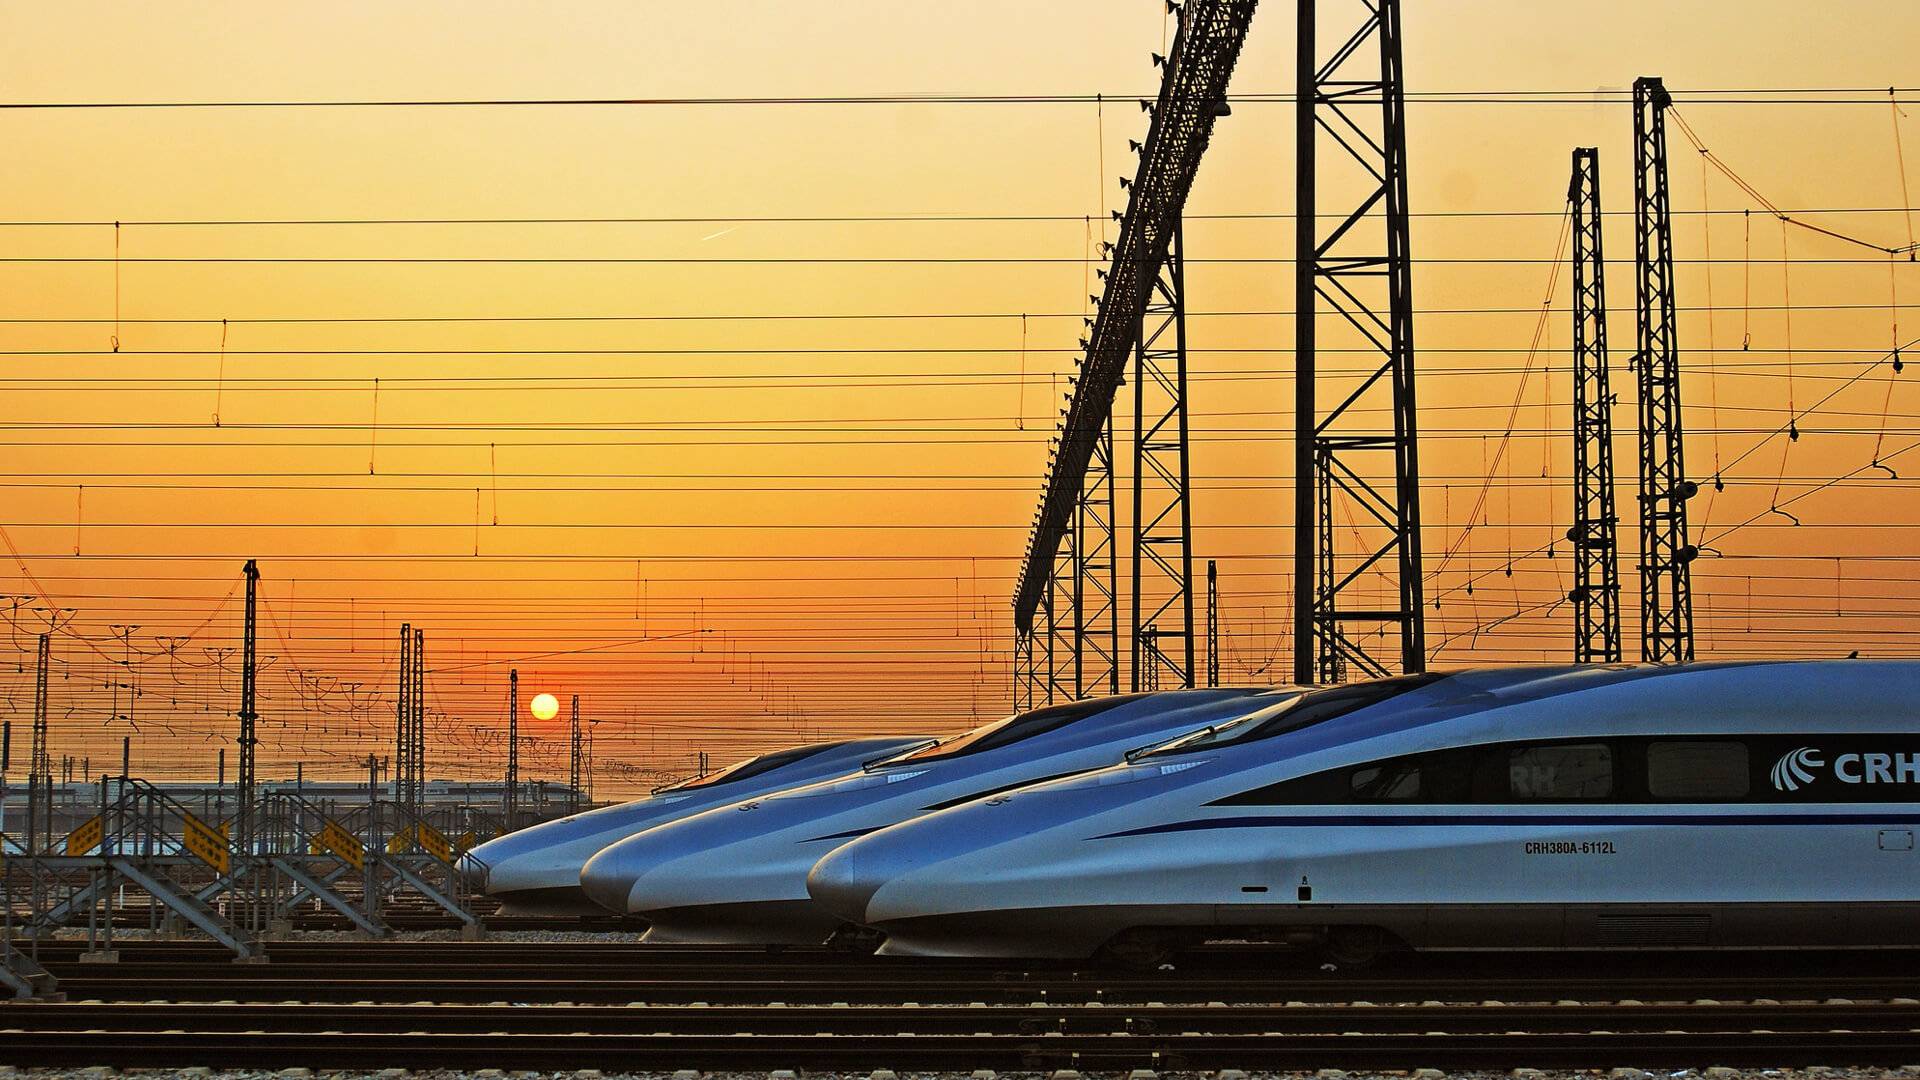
(752, 1050)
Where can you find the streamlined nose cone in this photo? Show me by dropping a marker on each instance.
(837, 884)
(606, 884)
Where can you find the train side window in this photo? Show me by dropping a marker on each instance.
(1698, 770)
(1564, 771)
(1388, 781)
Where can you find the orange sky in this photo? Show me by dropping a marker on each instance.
(733, 531)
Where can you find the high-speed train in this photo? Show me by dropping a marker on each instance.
(738, 873)
(536, 871)
(1710, 805)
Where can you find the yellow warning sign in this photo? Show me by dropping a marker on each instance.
(434, 842)
(400, 841)
(205, 842)
(342, 844)
(87, 837)
(465, 843)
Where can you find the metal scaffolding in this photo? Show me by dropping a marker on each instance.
(1162, 606)
(1666, 588)
(1367, 284)
(1192, 96)
(1594, 533)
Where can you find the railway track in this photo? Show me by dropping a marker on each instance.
(625, 973)
(624, 1005)
(1463, 1043)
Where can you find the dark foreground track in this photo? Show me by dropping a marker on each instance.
(1355, 1050)
(624, 973)
(175, 1004)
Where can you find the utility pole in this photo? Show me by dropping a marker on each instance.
(510, 800)
(573, 759)
(1666, 587)
(1369, 285)
(1594, 534)
(1213, 624)
(249, 672)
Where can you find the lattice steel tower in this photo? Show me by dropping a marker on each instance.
(1356, 97)
(40, 762)
(1162, 609)
(1666, 588)
(510, 791)
(403, 721)
(573, 758)
(1594, 534)
(249, 715)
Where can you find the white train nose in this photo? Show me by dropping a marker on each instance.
(606, 882)
(837, 885)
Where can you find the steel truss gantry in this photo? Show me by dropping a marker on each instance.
(1358, 101)
(1594, 533)
(1162, 607)
(1193, 94)
(1666, 588)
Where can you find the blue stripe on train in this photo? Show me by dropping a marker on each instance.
(1271, 821)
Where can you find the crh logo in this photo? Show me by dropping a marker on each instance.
(1795, 769)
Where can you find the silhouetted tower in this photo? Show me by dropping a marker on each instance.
(1364, 277)
(1666, 589)
(417, 723)
(403, 721)
(1096, 588)
(40, 763)
(249, 715)
(573, 758)
(1162, 609)
(510, 790)
(1594, 534)
(1193, 94)
(1213, 625)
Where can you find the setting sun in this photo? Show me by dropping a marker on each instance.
(545, 706)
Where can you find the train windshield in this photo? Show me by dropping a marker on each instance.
(741, 770)
(1013, 729)
(1310, 708)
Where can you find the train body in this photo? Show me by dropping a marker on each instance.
(738, 873)
(536, 871)
(1739, 804)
